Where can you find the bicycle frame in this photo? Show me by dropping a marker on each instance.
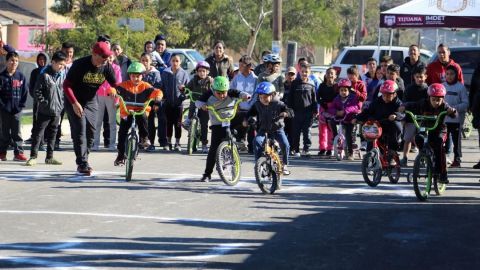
(270, 149)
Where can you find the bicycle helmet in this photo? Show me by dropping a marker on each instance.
(388, 87)
(272, 58)
(221, 84)
(203, 64)
(344, 83)
(436, 90)
(265, 88)
(136, 67)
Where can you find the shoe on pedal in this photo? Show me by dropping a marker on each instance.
(186, 123)
(205, 178)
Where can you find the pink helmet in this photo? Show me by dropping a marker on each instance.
(203, 64)
(437, 90)
(388, 87)
(344, 83)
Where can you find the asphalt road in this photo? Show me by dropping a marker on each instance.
(325, 217)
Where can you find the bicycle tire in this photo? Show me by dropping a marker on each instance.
(338, 148)
(438, 187)
(369, 162)
(227, 161)
(130, 150)
(192, 136)
(266, 176)
(395, 170)
(422, 188)
(117, 116)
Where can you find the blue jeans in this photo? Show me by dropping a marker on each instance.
(281, 138)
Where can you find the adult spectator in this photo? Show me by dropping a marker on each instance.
(261, 67)
(410, 64)
(161, 49)
(220, 63)
(121, 60)
(436, 70)
(80, 88)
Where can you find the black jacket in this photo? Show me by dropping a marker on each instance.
(423, 107)
(379, 110)
(302, 96)
(416, 92)
(267, 116)
(406, 71)
(49, 92)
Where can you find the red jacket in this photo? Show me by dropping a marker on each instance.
(436, 71)
(360, 90)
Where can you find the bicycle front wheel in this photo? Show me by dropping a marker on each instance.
(131, 154)
(422, 176)
(371, 169)
(394, 167)
(266, 175)
(228, 163)
(192, 136)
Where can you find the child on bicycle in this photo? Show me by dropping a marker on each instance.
(133, 90)
(270, 112)
(434, 105)
(199, 85)
(343, 109)
(383, 109)
(223, 100)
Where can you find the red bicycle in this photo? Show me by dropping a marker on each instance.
(380, 160)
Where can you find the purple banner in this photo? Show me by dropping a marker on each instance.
(426, 21)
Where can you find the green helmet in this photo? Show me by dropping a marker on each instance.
(221, 84)
(136, 67)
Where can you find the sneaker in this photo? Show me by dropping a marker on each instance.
(205, 178)
(151, 148)
(477, 166)
(144, 143)
(119, 161)
(404, 162)
(443, 179)
(204, 149)
(52, 161)
(297, 154)
(363, 146)
(112, 148)
(20, 157)
(178, 148)
(414, 149)
(350, 157)
(285, 170)
(455, 164)
(84, 169)
(3, 157)
(306, 153)
(449, 161)
(31, 162)
(322, 153)
(329, 154)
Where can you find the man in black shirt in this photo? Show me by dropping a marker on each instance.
(80, 87)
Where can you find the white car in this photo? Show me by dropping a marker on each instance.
(358, 55)
(189, 58)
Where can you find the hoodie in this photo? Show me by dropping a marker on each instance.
(35, 73)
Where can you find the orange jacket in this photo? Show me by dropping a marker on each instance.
(140, 93)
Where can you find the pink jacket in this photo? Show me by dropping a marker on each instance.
(351, 107)
(103, 90)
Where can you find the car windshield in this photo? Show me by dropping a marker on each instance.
(196, 55)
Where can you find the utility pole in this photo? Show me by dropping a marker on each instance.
(46, 25)
(361, 22)
(277, 23)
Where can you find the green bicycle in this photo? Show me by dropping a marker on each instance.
(423, 168)
(227, 158)
(131, 144)
(194, 130)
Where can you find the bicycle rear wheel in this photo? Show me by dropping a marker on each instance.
(338, 148)
(228, 163)
(394, 167)
(422, 176)
(371, 169)
(467, 126)
(266, 175)
(438, 187)
(131, 151)
(192, 136)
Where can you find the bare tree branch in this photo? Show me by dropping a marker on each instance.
(239, 11)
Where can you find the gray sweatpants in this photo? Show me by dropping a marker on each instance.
(106, 103)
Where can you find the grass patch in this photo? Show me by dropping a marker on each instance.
(27, 119)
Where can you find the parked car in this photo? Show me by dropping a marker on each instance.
(189, 58)
(467, 57)
(358, 55)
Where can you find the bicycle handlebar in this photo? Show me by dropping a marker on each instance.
(416, 118)
(124, 105)
(228, 119)
(189, 93)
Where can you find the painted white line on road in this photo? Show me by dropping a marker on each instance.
(403, 191)
(28, 261)
(40, 212)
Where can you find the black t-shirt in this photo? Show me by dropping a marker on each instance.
(86, 78)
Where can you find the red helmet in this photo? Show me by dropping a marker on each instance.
(344, 83)
(388, 86)
(437, 90)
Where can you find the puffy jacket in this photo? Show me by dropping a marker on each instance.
(48, 92)
(351, 106)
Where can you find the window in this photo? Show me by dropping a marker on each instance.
(466, 59)
(355, 57)
(424, 58)
(397, 56)
(196, 55)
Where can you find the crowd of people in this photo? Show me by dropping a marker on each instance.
(284, 103)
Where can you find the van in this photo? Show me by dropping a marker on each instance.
(189, 58)
(358, 55)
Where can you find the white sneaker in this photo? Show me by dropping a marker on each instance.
(449, 162)
(285, 170)
(297, 154)
(306, 153)
(178, 148)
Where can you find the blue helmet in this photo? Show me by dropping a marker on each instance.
(265, 88)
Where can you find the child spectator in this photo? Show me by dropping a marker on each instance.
(13, 95)
(358, 86)
(372, 86)
(456, 97)
(149, 48)
(287, 85)
(369, 76)
(393, 74)
(48, 92)
(42, 61)
(326, 93)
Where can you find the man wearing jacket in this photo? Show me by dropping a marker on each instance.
(410, 64)
(436, 70)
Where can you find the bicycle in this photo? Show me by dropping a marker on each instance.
(339, 142)
(423, 175)
(467, 125)
(227, 158)
(132, 142)
(378, 161)
(194, 130)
